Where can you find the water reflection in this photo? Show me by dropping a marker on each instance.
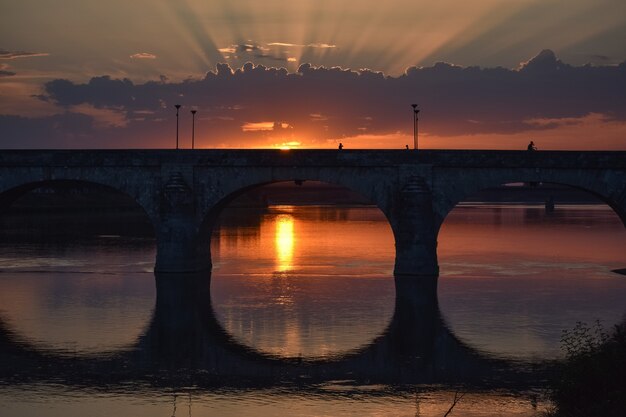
(337, 399)
(82, 296)
(185, 346)
(326, 239)
(315, 283)
(185, 362)
(511, 281)
(77, 313)
(185, 338)
(509, 297)
(285, 238)
(513, 277)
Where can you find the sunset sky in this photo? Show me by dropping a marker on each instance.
(312, 73)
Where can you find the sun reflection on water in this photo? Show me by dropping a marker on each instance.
(284, 242)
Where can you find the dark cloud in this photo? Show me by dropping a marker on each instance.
(63, 130)
(247, 47)
(334, 102)
(74, 130)
(4, 54)
(4, 73)
(277, 58)
(600, 58)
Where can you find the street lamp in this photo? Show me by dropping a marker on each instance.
(177, 108)
(415, 121)
(193, 127)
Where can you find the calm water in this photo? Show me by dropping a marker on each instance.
(82, 331)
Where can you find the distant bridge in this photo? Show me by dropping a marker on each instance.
(184, 191)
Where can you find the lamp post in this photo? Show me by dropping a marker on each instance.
(415, 122)
(193, 127)
(177, 108)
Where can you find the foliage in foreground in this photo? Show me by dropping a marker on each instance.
(592, 379)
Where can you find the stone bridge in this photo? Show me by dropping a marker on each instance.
(184, 191)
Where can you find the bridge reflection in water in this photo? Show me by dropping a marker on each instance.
(184, 343)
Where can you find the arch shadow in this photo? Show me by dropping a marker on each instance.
(185, 340)
(9, 196)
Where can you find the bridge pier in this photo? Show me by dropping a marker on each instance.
(177, 248)
(413, 223)
(178, 245)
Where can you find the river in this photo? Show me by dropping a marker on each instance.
(306, 294)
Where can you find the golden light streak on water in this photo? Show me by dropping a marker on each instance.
(285, 240)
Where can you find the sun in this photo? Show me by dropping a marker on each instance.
(286, 146)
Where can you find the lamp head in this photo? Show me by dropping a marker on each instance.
(177, 106)
(194, 111)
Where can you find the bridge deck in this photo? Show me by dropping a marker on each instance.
(317, 157)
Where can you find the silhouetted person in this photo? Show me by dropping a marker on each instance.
(407, 146)
(531, 146)
(340, 146)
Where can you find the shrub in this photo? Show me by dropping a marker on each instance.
(591, 381)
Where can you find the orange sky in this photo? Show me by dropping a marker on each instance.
(312, 74)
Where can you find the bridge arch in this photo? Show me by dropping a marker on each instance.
(373, 185)
(599, 186)
(10, 192)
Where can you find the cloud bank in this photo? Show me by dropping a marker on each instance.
(317, 104)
